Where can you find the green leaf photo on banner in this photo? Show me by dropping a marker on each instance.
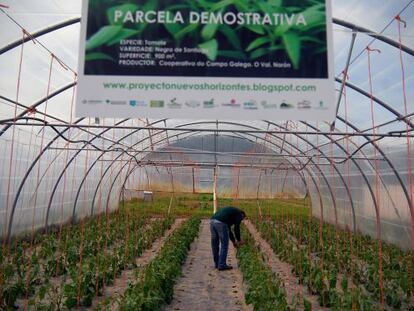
(228, 38)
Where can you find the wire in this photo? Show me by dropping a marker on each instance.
(381, 32)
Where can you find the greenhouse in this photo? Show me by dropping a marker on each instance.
(107, 207)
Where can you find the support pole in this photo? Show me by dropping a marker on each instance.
(215, 190)
(345, 72)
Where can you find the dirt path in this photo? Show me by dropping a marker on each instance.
(128, 275)
(283, 269)
(202, 287)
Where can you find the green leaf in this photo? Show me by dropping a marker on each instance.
(123, 34)
(231, 36)
(275, 2)
(292, 44)
(209, 31)
(256, 28)
(188, 29)
(110, 13)
(313, 18)
(97, 56)
(242, 5)
(221, 4)
(173, 28)
(259, 53)
(103, 35)
(266, 8)
(263, 51)
(256, 43)
(210, 49)
(281, 29)
(311, 39)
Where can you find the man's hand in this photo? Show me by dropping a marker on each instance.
(237, 244)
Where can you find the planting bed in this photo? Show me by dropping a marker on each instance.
(144, 258)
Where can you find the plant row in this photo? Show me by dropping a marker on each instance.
(320, 279)
(155, 282)
(59, 254)
(265, 290)
(361, 264)
(87, 279)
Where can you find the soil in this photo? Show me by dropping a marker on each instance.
(204, 288)
(283, 270)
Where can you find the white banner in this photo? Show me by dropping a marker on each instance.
(206, 60)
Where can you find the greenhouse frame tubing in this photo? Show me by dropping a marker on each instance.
(39, 102)
(378, 101)
(345, 74)
(240, 154)
(91, 167)
(395, 134)
(73, 158)
(210, 122)
(138, 165)
(324, 177)
(164, 121)
(328, 185)
(107, 169)
(391, 165)
(26, 175)
(36, 104)
(233, 131)
(302, 178)
(257, 137)
(39, 33)
(371, 33)
(374, 200)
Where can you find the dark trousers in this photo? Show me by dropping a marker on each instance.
(219, 235)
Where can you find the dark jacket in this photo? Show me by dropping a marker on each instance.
(231, 216)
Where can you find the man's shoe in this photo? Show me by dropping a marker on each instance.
(226, 267)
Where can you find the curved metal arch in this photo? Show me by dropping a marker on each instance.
(378, 101)
(35, 162)
(302, 177)
(241, 137)
(389, 162)
(90, 169)
(176, 135)
(257, 137)
(39, 33)
(113, 162)
(372, 33)
(353, 160)
(38, 103)
(300, 151)
(26, 175)
(73, 158)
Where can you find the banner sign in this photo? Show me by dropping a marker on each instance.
(205, 59)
